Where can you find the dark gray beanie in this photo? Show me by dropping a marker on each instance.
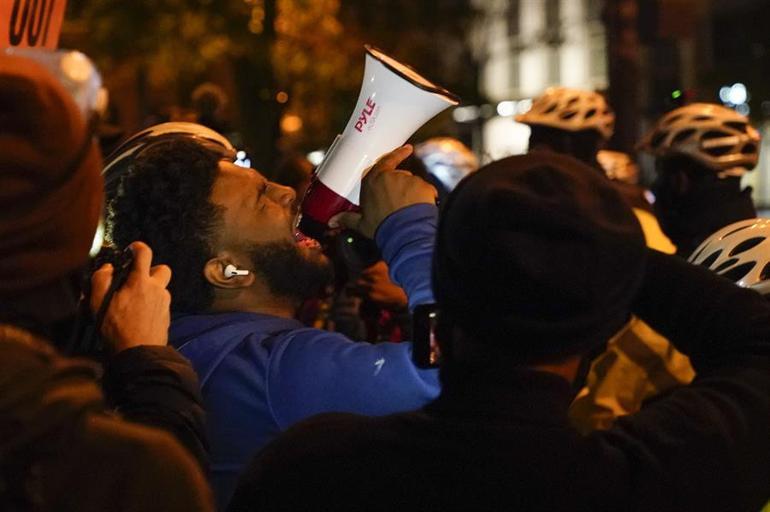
(539, 255)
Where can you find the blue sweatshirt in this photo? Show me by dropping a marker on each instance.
(260, 373)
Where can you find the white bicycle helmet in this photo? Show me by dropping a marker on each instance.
(618, 166)
(572, 110)
(447, 159)
(739, 252)
(718, 137)
(120, 159)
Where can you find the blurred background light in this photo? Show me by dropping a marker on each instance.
(738, 94)
(465, 114)
(506, 108)
(291, 123)
(316, 157)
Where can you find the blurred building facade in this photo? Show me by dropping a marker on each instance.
(526, 46)
(649, 56)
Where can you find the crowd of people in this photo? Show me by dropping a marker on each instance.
(585, 363)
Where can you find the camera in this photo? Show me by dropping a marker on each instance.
(86, 339)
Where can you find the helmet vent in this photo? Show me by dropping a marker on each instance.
(702, 118)
(736, 125)
(568, 115)
(765, 274)
(749, 149)
(717, 151)
(674, 119)
(726, 264)
(731, 233)
(683, 135)
(658, 139)
(746, 245)
(735, 274)
(696, 255)
(550, 109)
(711, 259)
(590, 113)
(712, 134)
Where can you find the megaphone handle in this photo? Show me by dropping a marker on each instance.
(320, 204)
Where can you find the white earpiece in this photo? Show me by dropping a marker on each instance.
(232, 271)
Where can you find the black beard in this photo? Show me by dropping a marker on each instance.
(288, 272)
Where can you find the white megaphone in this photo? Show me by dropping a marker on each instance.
(393, 103)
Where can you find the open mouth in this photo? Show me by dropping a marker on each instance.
(300, 238)
(305, 241)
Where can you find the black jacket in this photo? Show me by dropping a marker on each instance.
(498, 437)
(157, 386)
(63, 449)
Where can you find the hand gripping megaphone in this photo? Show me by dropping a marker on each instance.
(393, 103)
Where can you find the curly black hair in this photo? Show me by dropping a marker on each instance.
(164, 201)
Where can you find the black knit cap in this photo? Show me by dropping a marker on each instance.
(539, 255)
(51, 187)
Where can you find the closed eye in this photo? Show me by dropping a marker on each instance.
(261, 190)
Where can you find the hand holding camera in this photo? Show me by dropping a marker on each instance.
(139, 311)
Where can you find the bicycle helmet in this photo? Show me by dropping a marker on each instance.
(447, 159)
(718, 137)
(120, 159)
(740, 252)
(572, 110)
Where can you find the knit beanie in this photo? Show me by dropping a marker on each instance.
(50, 179)
(537, 255)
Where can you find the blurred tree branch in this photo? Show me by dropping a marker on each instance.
(309, 49)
